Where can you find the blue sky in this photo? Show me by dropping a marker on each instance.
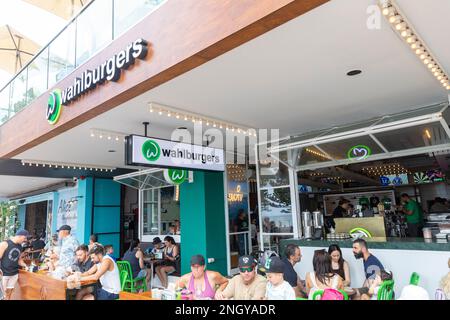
(34, 23)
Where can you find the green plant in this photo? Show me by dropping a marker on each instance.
(8, 219)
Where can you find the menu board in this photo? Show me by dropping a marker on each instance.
(394, 180)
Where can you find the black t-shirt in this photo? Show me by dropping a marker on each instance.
(83, 266)
(242, 225)
(289, 273)
(9, 263)
(339, 212)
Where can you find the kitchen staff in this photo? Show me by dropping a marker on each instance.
(414, 216)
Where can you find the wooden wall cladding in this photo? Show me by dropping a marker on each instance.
(182, 35)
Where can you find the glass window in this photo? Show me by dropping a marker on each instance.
(62, 55)
(37, 76)
(94, 29)
(127, 13)
(150, 210)
(276, 211)
(312, 155)
(273, 175)
(19, 93)
(272, 242)
(358, 148)
(414, 137)
(4, 105)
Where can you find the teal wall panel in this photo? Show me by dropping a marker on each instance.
(106, 219)
(84, 223)
(107, 193)
(202, 217)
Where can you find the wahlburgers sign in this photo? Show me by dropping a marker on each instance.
(110, 70)
(170, 154)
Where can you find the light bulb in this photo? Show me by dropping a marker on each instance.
(92, 135)
(394, 18)
(410, 39)
(439, 78)
(160, 113)
(151, 110)
(168, 114)
(400, 26)
(185, 118)
(109, 137)
(423, 56)
(178, 116)
(426, 61)
(430, 65)
(433, 70)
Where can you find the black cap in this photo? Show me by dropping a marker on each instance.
(156, 240)
(64, 227)
(197, 259)
(247, 261)
(24, 233)
(274, 265)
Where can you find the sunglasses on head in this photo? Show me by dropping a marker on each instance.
(248, 269)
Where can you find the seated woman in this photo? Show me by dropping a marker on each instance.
(135, 257)
(323, 276)
(170, 254)
(202, 283)
(339, 265)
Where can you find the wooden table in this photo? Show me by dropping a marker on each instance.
(40, 286)
(136, 296)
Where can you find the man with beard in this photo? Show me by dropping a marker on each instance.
(372, 266)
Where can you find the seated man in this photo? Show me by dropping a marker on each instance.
(372, 266)
(83, 265)
(106, 271)
(293, 256)
(247, 285)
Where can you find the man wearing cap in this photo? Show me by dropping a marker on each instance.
(69, 245)
(202, 283)
(247, 285)
(11, 259)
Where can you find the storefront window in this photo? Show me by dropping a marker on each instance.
(276, 210)
(273, 175)
(160, 212)
(150, 208)
(272, 242)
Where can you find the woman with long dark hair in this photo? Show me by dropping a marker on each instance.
(323, 276)
(171, 253)
(339, 265)
(135, 257)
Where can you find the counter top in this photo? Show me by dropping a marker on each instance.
(376, 243)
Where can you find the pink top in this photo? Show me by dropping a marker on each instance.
(208, 293)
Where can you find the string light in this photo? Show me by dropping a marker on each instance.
(399, 23)
(169, 112)
(73, 166)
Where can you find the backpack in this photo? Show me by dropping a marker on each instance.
(332, 294)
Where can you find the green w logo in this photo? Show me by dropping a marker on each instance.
(176, 176)
(54, 106)
(151, 150)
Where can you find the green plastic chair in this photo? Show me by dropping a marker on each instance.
(415, 278)
(386, 291)
(129, 284)
(298, 298)
(318, 293)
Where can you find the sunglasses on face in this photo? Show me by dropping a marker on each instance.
(248, 269)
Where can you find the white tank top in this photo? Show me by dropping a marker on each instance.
(110, 280)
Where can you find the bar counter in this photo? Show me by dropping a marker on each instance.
(40, 286)
(377, 243)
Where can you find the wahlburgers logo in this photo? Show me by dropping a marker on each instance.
(151, 150)
(54, 106)
(175, 176)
